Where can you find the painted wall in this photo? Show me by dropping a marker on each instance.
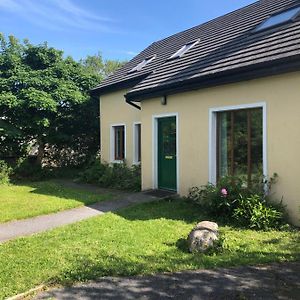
(281, 95)
(114, 110)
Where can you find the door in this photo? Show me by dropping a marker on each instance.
(167, 177)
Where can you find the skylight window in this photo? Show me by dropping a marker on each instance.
(184, 49)
(142, 64)
(278, 19)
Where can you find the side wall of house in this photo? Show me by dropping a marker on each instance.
(281, 97)
(115, 111)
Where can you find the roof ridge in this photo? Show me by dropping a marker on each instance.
(210, 21)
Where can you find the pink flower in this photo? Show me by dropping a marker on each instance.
(224, 192)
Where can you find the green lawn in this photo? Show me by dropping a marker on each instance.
(33, 199)
(144, 239)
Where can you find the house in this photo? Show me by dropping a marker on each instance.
(218, 99)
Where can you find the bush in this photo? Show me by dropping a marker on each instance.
(117, 176)
(232, 200)
(5, 172)
(27, 168)
(255, 212)
(220, 199)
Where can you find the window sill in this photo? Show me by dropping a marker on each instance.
(117, 162)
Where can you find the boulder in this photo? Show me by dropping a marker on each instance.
(203, 236)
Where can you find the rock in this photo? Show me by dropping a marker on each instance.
(203, 236)
(212, 226)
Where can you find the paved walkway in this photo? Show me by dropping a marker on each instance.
(275, 281)
(15, 229)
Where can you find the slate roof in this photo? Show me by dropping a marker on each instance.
(228, 48)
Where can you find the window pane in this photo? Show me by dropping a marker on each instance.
(279, 18)
(224, 164)
(257, 142)
(119, 142)
(240, 143)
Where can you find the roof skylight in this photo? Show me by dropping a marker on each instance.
(142, 64)
(184, 49)
(278, 19)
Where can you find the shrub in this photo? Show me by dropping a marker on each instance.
(220, 199)
(117, 176)
(255, 212)
(5, 172)
(26, 168)
(232, 200)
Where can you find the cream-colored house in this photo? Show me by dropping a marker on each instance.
(222, 98)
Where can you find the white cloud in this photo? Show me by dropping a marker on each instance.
(58, 15)
(131, 53)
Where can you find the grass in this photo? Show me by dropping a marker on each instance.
(143, 239)
(33, 199)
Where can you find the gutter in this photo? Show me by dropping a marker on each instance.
(269, 68)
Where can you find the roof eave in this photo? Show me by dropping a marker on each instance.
(125, 84)
(288, 64)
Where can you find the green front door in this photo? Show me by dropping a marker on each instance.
(166, 155)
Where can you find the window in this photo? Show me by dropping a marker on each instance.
(240, 143)
(119, 142)
(137, 143)
(142, 64)
(184, 49)
(279, 19)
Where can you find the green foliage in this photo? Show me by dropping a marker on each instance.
(214, 201)
(27, 168)
(96, 65)
(232, 200)
(142, 239)
(117, 176)
(255, 212)
(45, 100)
(5, 172)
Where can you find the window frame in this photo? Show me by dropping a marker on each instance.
(178, 53)
(137, 145)
(142, 64)
(113, 158)
(213, 135)
(249, 113)
(260, 27)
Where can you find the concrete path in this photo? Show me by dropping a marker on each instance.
(15, 229)
(275, 281)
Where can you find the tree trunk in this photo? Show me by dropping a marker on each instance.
(41, 152)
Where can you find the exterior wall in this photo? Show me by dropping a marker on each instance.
(114, 110)
(281, 96)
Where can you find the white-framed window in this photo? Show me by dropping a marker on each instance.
(279, 19)
(237, 141)
(142, 64)
(185, 48)
(137, 143)
(118, 142)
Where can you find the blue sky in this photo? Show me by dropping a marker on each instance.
(119, 29)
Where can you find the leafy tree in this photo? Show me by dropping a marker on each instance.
(96, 65)
(44, 99)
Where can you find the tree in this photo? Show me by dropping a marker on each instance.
(44, 98)
(96, 65)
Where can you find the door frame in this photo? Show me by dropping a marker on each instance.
(155, 149)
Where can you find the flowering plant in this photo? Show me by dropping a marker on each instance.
(224, 192)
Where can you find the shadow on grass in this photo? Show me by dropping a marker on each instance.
(66, 190)
(264, 283)
(172, 209)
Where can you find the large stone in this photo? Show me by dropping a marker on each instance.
(212, 226)
(203, 236)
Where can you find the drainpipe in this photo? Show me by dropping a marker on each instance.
(133, 104)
